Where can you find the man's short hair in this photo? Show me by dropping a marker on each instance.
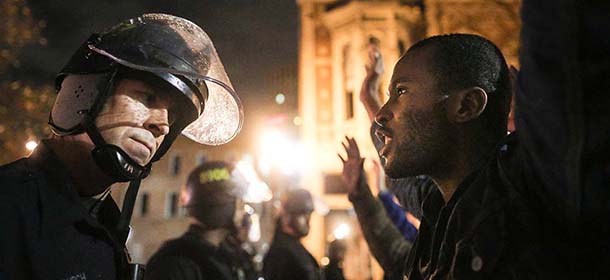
(467, 60)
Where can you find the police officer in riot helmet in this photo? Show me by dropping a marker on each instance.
(123, 98)
(236, 251)
(213, 197)
(287, 257)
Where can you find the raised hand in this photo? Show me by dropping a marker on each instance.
(352, 166)
(370, 85)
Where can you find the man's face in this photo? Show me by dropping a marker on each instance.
(415, 128)
(135, 118)
(300, 223)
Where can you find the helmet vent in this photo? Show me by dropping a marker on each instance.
(78, 91)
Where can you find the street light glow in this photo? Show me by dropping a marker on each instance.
(280, 98)
(277, 151)
(341, 231)
(31, 145)
(257, 191)
(297, 121)
(254, 233)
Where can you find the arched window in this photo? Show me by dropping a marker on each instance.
(401, 48)
(175, 165)
(347, 81)
(144, 202)
(171, 205)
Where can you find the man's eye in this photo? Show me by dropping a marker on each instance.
(401, 91)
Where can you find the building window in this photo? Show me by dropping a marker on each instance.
(182, 212)
(171, 205)
(349, 104)
(144, 201)
(174, 165)
(201, 158)
(401, 48)
(347, 82)
(333, 184)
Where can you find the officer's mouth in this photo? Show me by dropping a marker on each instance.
(149, 147)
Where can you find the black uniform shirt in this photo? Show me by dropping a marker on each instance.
(288, 259)
(46, 231)
(188, 257)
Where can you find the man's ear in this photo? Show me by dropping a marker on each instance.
(466, 104)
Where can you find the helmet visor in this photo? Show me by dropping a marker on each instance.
(160, 43)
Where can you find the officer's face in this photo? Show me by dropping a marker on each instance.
(239, 214)
(300, 223)
(135, 119)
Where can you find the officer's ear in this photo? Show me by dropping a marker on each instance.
(466, 104)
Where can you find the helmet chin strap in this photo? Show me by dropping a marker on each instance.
(117, 164)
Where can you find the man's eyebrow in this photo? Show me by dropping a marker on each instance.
(399, 81)
(403, 81)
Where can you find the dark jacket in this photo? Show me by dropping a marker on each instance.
(333, 271)
(46, 231)
(238, 259)
(188, 258)
(288, 259)
(487, 230)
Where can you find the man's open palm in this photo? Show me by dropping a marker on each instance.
(352, 166)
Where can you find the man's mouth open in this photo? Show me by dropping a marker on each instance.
(386, 137)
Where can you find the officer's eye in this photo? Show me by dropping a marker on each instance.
(151, 99)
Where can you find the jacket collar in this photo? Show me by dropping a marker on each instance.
(60, 203)
(434, 202)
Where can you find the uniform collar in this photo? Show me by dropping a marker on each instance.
(195, 232)
(60, 203)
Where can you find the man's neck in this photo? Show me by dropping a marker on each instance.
(215, 236)
(465, 163)
(74, 152)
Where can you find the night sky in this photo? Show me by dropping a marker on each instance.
(253, 38)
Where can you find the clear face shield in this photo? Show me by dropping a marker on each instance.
(164, 44)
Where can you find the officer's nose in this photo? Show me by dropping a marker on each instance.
(158, 122)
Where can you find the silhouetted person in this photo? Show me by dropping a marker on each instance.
(287, 258)
(213, 198)
(336, 255)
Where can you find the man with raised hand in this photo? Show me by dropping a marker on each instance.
(533, 205)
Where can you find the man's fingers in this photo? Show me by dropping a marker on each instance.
(345, 146)
(341, 158)
(355, 148)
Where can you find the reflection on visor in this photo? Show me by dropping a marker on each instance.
(222, 117)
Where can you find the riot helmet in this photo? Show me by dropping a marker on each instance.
(211, 192)
(159, 49)
(298, 201)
